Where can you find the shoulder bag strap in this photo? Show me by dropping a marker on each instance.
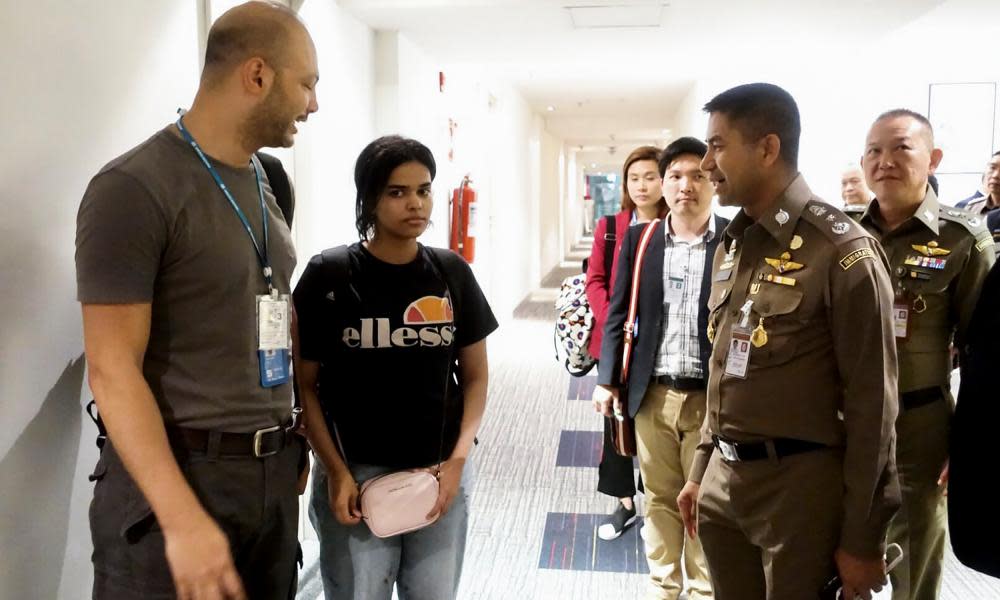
(633, 303)
(610, 238)
(438, 265)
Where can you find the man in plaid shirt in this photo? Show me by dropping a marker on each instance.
(666, 387)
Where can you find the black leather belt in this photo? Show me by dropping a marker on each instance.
(920, 397)
(258, 444)
(745, 451)
(683, 384)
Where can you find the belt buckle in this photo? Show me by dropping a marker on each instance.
(728, 450)
(258, 440)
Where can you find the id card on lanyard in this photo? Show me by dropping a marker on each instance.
(738, 359)
(273, 309)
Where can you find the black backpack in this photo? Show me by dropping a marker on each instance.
(282, 188)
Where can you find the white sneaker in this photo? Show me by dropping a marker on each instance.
(617, 523)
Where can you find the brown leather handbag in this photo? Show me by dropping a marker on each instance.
(622, 424)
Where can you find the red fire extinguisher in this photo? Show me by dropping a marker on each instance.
(463, 220)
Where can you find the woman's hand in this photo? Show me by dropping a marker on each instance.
(449, 479)
(343, 491)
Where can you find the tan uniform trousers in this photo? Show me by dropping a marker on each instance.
(920, 526)
(666, 428)
(770, 527)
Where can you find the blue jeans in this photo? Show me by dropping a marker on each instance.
(355, 565)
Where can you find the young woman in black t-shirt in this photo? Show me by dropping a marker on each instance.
(383, 325)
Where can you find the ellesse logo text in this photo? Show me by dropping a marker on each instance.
(430, 319)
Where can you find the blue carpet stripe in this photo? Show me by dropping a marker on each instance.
(570, 543)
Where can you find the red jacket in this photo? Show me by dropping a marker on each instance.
(601, 277)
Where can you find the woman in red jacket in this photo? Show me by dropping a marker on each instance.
(642, 201)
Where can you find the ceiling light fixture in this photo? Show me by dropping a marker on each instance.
(550, 108)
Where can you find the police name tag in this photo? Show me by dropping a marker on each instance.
(674, 292)
(739, 352)
(900, 318)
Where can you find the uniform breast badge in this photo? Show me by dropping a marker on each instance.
(796, 242)
(772, 278)
(931, 249)
(919, 304)
(925, 262)
(759, 335)
(784, 264)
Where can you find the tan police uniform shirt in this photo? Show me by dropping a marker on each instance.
(822, 365)
(938, 259)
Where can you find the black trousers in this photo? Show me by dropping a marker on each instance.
(616, 474)
(255, 501)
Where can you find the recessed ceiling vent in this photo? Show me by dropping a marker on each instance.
(617, 16)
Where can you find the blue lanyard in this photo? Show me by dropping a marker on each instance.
(261, 255)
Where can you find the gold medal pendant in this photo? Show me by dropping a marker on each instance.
(759, 335)
(711, 332)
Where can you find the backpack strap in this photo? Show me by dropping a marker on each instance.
(441, 258)
(610, 235)
(277, 178)
(336, 264)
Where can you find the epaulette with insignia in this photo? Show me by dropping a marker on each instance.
(975, 224)
(835, 225)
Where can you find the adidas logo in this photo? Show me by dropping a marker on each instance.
(431, 318)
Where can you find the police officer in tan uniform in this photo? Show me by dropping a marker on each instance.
(795, 471)
(854, 192)
(938, 259)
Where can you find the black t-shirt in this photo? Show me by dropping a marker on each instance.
(386, 340)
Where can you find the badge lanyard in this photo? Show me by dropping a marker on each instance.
(262, 255)
(272, 309)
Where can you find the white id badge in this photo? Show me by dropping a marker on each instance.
(273, 322)
(738, 359)
(900, 318)
(674, 292)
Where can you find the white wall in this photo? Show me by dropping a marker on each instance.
(85, 82)
(840, 94)
(550, 202)
(328, 145)
(477, 126)
(574, 188)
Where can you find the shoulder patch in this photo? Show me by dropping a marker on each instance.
(832, 222)
(984, 241)
(856, 256)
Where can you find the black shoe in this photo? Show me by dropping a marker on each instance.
(617, 522)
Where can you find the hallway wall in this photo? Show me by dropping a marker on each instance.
(478, 126)
(329, 143)
(86, 81)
